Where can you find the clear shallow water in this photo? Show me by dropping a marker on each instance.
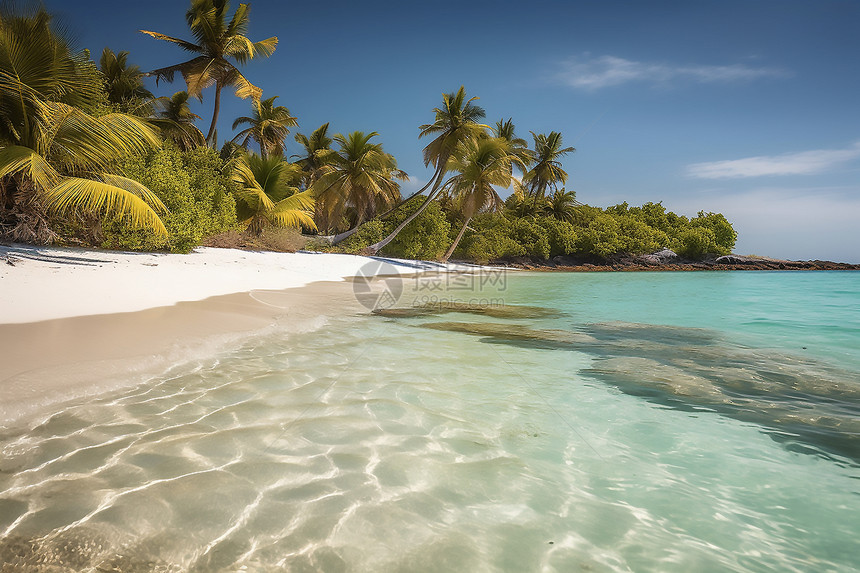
(662, 422)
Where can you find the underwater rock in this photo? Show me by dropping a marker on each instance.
(795, 399)
(491, 310)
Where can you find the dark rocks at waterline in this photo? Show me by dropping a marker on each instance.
(805, 404)
(491, 310)
(668, 260)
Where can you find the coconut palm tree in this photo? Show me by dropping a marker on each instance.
(481, 164)
(269, 127)
(53, 154)
(318, 153)
(562, 205)
(546, 172)
(176, 121)
(456, 122)
(505, 129)
(218, 41)
(268, 195)
(360, 177)
(123, 83)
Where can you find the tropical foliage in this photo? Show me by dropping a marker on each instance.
(267, 194)
(176, 121)
(89, 154)
(268, 126)
(358, 181)
(192, 185)
(218, 40)
(123, 82)
(56, 156)
(482, 165)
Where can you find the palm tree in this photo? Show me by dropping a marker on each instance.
(53, 154)
(267, 194)
(217, 42)
(318, 153)
(562, 205)
(361, 178)
(269, 127)
(176, 121)
(480, 165)
(123, 83)
(522, 207)
(505, 129)
(547, 171)
(456, 122)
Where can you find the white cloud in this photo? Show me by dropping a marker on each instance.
(593, 73)
(801, 163)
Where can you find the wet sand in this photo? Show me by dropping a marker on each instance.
(52, 361)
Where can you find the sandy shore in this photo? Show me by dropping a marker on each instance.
(73, 322)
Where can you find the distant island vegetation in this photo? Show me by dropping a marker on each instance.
(90, 157)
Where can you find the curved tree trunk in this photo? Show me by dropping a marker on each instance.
(376, 247)
(210, 136)
(437, 176)
(456, 241)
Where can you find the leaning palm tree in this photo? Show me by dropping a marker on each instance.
(361, 178)
(546, 172)
(267, 194)
(123, 83)
(481, 165)
(456, 122)
(53, 154)
(269, 126)
(562, 205)
(218, 41)
(318, 153)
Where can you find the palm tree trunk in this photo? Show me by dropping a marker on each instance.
(376, 247)
(456, 241)
(437, 176)
(210, 136)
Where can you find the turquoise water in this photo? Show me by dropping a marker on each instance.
(596, 422)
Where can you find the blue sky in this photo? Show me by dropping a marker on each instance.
(749, 108)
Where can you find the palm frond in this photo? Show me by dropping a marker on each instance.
(95, 196)
(185, 45)
(16, 159)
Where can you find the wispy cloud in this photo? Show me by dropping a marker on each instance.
(801, 163)
(593, 73)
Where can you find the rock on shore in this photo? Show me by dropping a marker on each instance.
(668, 260)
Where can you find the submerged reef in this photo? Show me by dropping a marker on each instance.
(806, 404)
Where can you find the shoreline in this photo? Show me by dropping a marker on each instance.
(65, 359)
(74, 322)
(648, 263)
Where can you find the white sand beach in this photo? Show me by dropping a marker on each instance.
(72, 320)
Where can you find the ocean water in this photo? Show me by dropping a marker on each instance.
(528, 422)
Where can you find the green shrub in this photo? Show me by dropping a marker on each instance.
(489, 240)
(724, 234)
(532, 237)
(696, 242)
(368, 234)
(191, 186)
(602, 237)
(638, 238)
(561, 235)
(427, 237)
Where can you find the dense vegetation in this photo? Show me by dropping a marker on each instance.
(88, 155)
